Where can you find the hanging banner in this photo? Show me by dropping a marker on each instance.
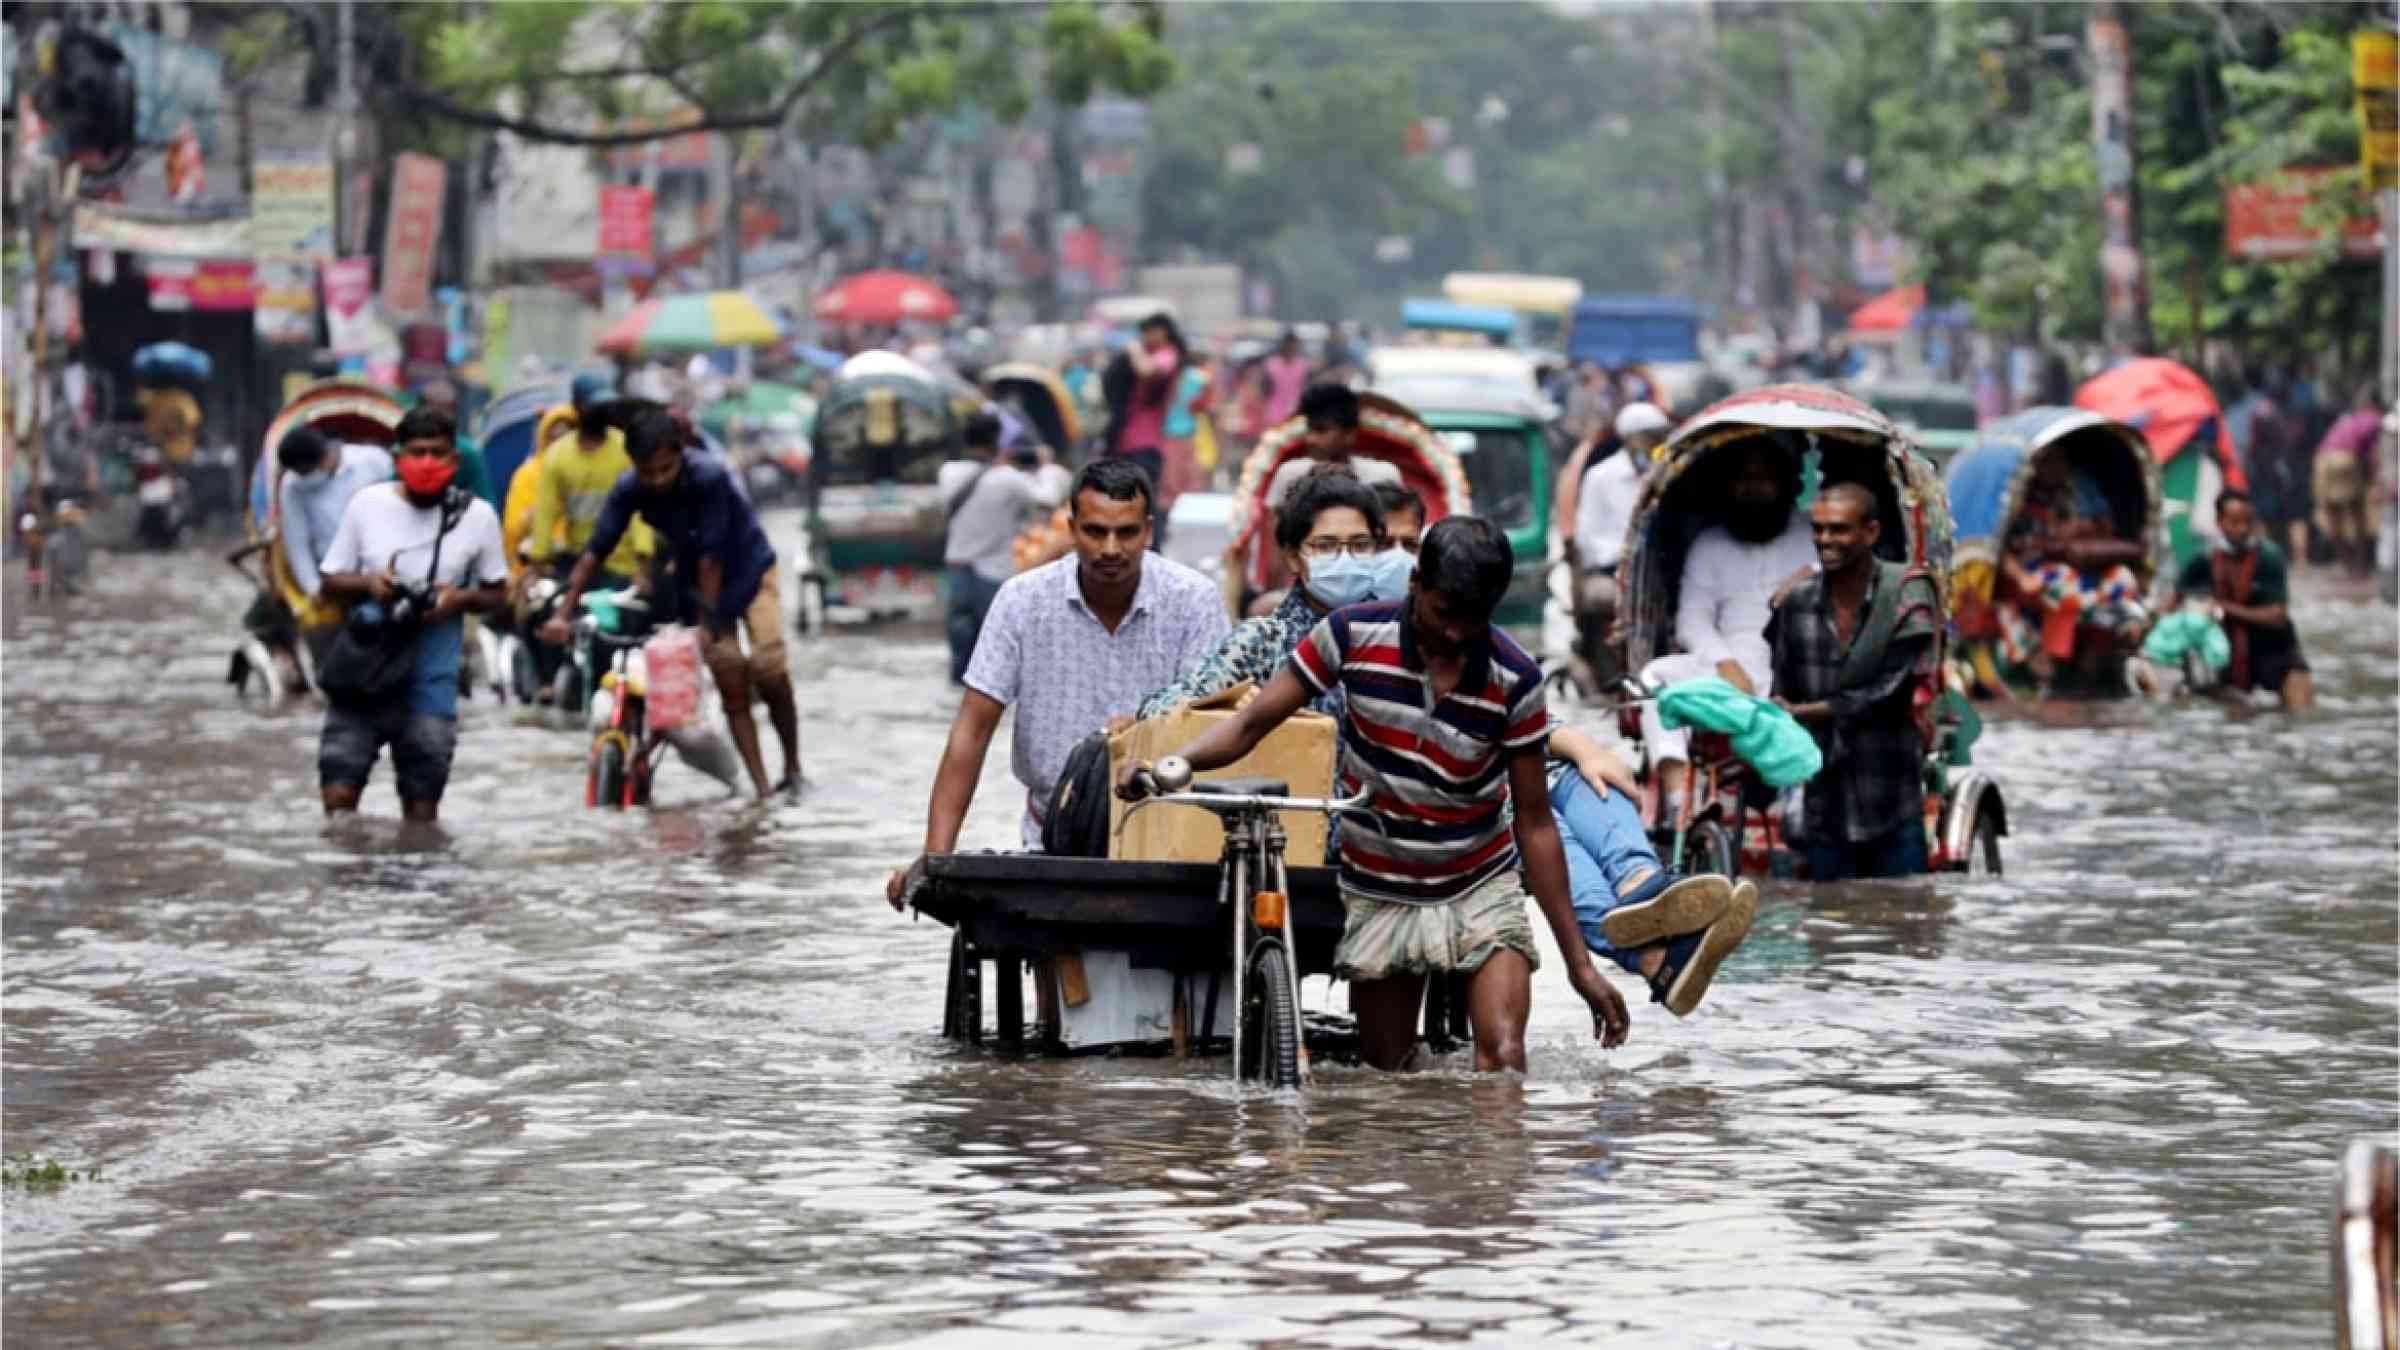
(284, 302)
(178, 284)
(291, 206)
(349, 284)
(2271, 219)
(625, 240)
(410, 232)
(97, 226)
(2375, 73)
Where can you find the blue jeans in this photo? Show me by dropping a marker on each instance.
(970, 598)
(1606, 847)
(1898, 854)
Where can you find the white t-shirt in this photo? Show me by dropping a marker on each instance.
(1604, 509)
(382, 528)
(1722, 612)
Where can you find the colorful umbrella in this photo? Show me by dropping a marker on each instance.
(693, 323)
(885, 297)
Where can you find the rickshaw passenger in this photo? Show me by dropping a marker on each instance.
(1331, 411)
(1853, 644)
(1403, 515)
(320, 476)
(1334, 541)
(2247, 577)
(1729, 578)
(1630, 908)
(2058, 566)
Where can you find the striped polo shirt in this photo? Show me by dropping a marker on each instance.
(1438, 772)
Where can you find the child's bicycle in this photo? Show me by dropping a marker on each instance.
(1252, 883)
(605, 672)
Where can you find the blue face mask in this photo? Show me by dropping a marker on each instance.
(1340, 580)
(1391, 570)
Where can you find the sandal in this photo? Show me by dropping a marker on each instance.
(1692, 960)
(1666, 906)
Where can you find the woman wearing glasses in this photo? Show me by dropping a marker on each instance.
(1333, 539)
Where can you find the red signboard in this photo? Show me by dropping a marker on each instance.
(2271, 219)
(414, 226)
(349, 284)
(625, 214)
(197, 284)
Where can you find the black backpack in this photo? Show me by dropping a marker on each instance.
(1075, 819)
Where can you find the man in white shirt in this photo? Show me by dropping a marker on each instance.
(1603, 512)
(986, 500)
(1730, 576)
(421, 534)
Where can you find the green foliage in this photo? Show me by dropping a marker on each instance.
(579, 70)
(26, 1171)
(1982, 154)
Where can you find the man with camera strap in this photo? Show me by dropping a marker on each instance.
(411, 559)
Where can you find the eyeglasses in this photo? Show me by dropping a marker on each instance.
(1357, 547)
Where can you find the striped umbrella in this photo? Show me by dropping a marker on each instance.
(693, 323)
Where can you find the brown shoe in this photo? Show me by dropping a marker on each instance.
(1692, 961)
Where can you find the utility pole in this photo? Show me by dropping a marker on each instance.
(2125, 326)
(345, 123)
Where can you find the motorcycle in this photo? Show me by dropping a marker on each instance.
(163, 501)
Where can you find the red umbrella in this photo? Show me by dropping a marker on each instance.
(1889, 312)
(885, 297)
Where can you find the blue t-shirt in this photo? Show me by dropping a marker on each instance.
(704, 515)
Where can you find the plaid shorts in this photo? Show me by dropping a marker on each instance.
(1382, 939)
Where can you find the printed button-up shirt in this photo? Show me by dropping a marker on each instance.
(1873, 781)
(1044, 653)
(1252, 652)
(1436, 769)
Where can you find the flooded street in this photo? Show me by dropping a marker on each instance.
(672, 1077)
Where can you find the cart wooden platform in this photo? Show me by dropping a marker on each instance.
(1018, 911)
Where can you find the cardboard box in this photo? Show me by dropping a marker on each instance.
(1301, 752)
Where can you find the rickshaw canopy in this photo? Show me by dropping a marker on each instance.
(1042, 396)
(347, 411)
(1831, 437)
(1387, 430)
(509, 423)
(1986, 486)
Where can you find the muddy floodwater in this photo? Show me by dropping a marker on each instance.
(672, 1077)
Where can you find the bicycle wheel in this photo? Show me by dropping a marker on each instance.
(1983, 847)
(1706, 848)
(607, 785)
(1270, 1020)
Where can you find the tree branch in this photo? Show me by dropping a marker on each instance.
(443, 104)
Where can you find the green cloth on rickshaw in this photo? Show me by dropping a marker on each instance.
(1779, 749)
(2186, 630)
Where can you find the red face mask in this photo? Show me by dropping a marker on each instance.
(427, 475)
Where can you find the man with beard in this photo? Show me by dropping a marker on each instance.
(1730, 575)
(1852, 646)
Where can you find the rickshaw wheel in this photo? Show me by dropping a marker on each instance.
(1983, 847)
(1270, 1021)
(608, 776)
(1706, 849)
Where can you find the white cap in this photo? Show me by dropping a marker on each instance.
(1635, 418)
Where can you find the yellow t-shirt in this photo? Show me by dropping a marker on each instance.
(516, 514)
(573, 486)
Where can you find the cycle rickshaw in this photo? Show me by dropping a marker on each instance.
(1832, 438)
